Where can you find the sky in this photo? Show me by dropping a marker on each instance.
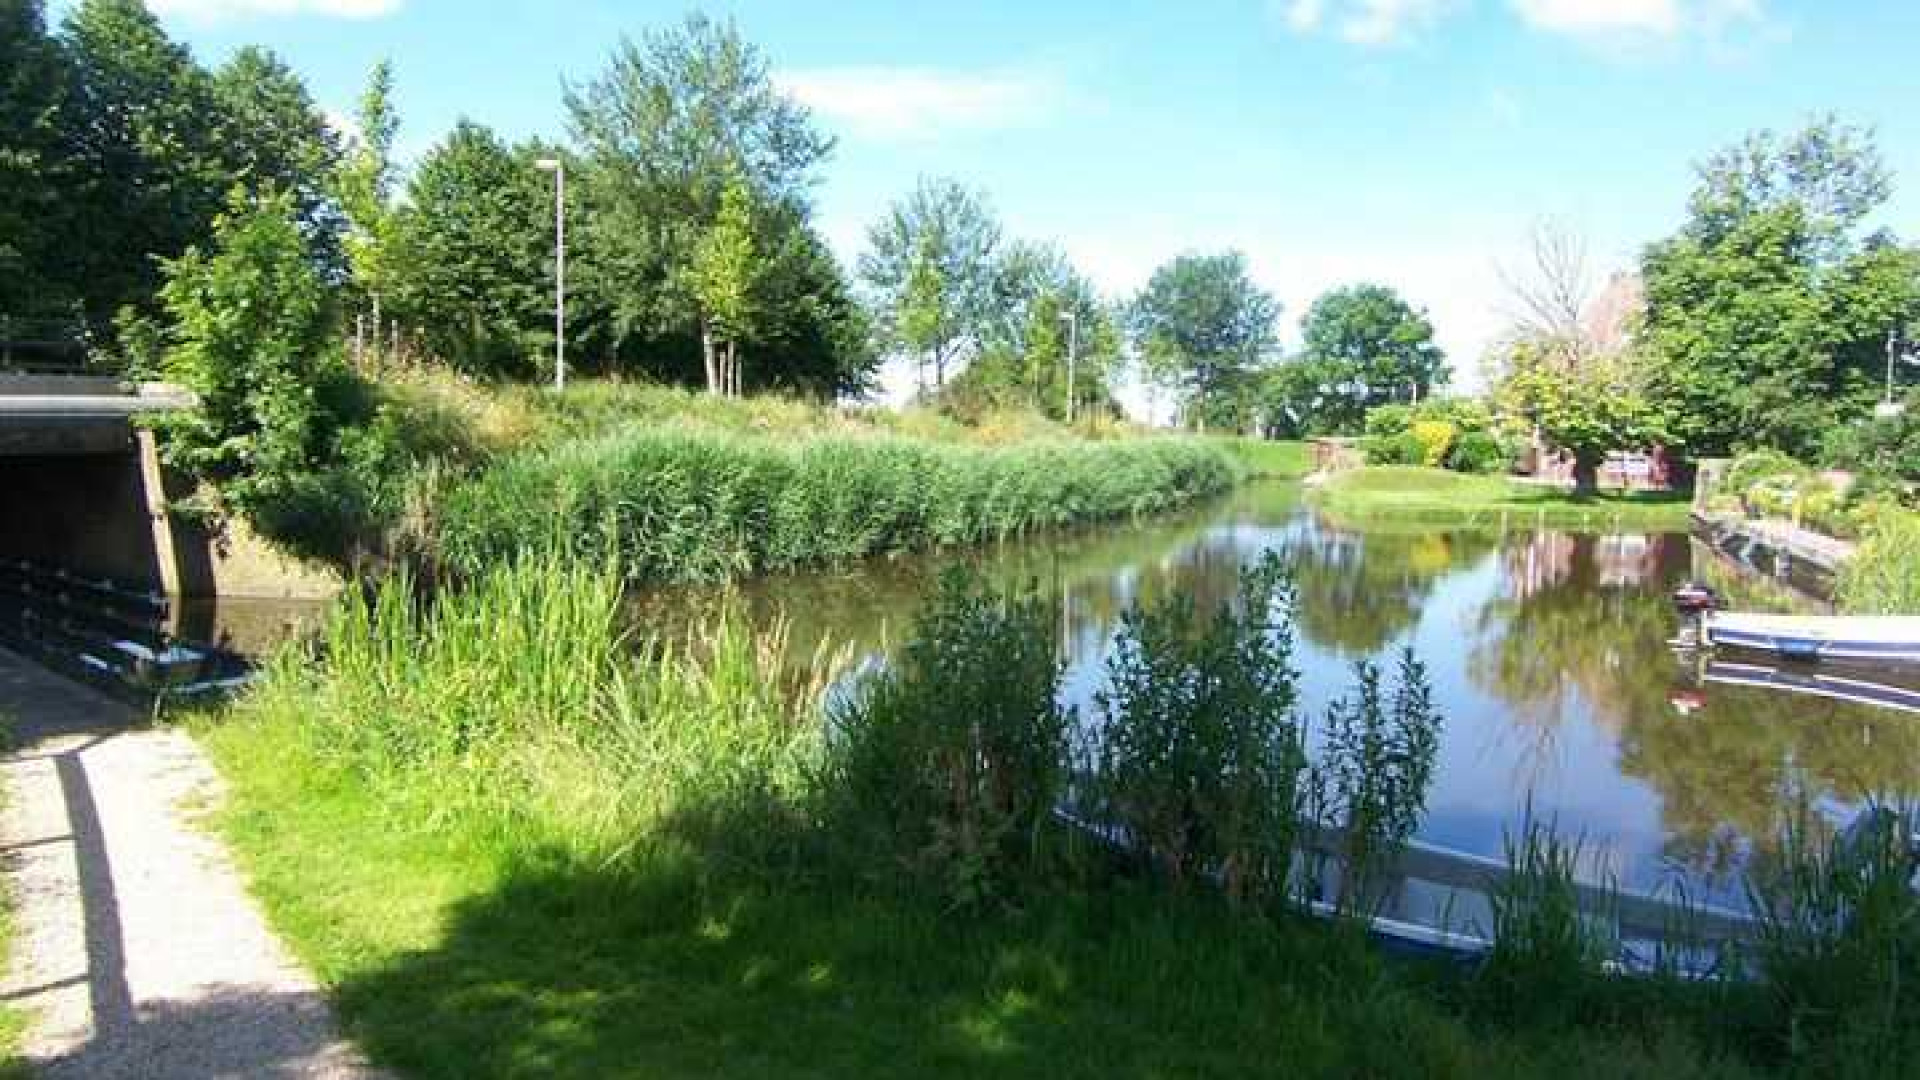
(1412, 143)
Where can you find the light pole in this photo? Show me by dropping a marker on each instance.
(1072, 319)
(558, 168)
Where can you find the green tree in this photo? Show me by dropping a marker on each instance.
(663, 131)
(270, 132)
(929, 268)
(724, 275)
(364, 186)
(149, 175)
(247, 325)
(1588, 408)
(1370, 347)
(1767, 310)
(1040, 307)
(35, 166)
(1203, 326)
(471, 254)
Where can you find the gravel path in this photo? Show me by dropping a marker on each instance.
(137, 951)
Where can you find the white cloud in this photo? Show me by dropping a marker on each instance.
(1361, 22)
(1617, 19)
(901, 103)
(208, 11)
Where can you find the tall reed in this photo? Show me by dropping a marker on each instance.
(700, 505)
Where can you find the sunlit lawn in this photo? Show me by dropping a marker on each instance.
(1448, 497)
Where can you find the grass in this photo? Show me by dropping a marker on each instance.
(1440, 496)
(693, 504)
(13, 1022)
(1883, 576)
(511, 844)
(1270, 458)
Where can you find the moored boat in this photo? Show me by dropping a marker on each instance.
(1866, 639)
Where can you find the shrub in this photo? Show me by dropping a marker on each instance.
(1376, 766)
(1201, 759)
(1436, 438)
(1546, 949)
(1762, 466)
(952, 758)
(1884, 451)
(1404, 448)
(1388, 421)
(1480, 452)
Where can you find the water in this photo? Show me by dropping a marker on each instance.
(1549, 652)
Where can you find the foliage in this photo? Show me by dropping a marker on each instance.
(1885, 452)
(723, 280)
(1839, 942)
(1595, 404)
(1480, 452)
(1201, 759)
(1377, 761)
(1880, 578)
(272, 135)
(1042, 309)
(1546, 948)
(35, 164)
(684, 504)
(1767, 312)
(1202, 325)
(471, 253)
(1757, 466)
(248, 331)
(1440, 432)
(929, 268)
(955, 752)
(1365, 347)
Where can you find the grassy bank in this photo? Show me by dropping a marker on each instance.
(1275, 459)
(692, 504)
(1883, 576)
(648, 860)
(1443, 497)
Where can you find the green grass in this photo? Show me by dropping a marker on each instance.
(1436, 495)
(1883, 576)
(510, 845)
(1271, 458)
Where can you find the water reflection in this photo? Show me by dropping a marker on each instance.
(1550, 653)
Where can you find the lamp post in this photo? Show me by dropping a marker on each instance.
(1888, 408)
(1072, 319)
(558, 168)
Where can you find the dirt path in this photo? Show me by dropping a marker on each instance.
(137, 950)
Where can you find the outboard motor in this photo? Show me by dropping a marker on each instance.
(1695, 598)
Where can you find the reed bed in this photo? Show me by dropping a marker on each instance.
(683, 504)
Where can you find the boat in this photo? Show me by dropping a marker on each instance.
(1865, 639)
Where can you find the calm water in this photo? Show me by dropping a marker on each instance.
(1549, 653)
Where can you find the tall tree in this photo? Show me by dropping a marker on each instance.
(930, 268)
(151, 175)
(1767, 310)
(364, 187)
(1373, 347)
(724, 278)
(1589, 408)
(471, 254)
(270, 132)
(663, 131)
(1042, 307)
(35, 170)
(1203, 326)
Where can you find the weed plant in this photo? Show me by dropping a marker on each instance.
(1376, 764)
(1547, 949)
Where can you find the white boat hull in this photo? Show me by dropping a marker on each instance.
(1861, 639)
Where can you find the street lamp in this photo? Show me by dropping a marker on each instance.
(1072, 319)
(558, 168)
(1888, 408)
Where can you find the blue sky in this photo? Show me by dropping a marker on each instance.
(1410, 142)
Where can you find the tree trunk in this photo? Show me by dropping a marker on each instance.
(1586, 475)
(709, 358)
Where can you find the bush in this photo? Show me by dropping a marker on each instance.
(1435, 438)
(1884, 452)
(952, 759)
(1377, 763)
(1480, 452)
(695, 505)
(1201, 757)
(1883, 576)
(1404, 448)
(1763, 466)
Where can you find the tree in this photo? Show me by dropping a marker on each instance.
(1551, 292)
(1374, 348)
(148, 171)
(246, 329)
(1022, 358)
(364, 185)
(1203, 326)
(270, 133)
(35, 166)
(929, 268)
(724, 277)
(471, 253)
(674, 121)
(1588, 409)
(1766, 311)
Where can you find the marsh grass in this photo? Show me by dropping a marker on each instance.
(686, 504)
(1548, 948)
(1883, 576)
